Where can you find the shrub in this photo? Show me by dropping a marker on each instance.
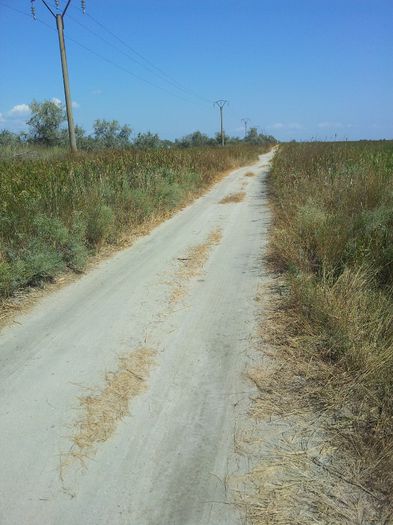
(100, 223)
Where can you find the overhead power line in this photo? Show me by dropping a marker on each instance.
(149, 63)
(219, 103)
(125, 70)
(15, 9)
(133, 59)
(105, 59)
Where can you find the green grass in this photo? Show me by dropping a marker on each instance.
(56, 210)
(333, 242)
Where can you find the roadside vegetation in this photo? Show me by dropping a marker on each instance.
(332, 243)
(58, 209)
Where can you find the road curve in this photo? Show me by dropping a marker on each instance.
(187, 293)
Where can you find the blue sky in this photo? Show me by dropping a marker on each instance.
(299, 69)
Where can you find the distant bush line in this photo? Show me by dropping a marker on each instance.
(46, 129)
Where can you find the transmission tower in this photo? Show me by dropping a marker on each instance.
(220, 104)
(59, 17)
(245, 122)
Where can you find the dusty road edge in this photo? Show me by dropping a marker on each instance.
(297, 473)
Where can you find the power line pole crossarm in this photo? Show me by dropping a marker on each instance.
(64, 66)
(220, 104)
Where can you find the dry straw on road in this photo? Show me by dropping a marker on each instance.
(191, 265)
(233, 197)
(102, 409)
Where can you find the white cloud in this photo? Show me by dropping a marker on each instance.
(19, 110)
(2, 119)
(59, 102)
(333, 125)
(289, 125)
(327, 125)
(96, 92)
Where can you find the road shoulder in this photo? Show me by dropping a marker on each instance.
(297, 473)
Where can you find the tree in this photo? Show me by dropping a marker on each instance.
(109, 134)
(196, 139)
(148, 140)
(227, 139)
(123, 136)
(253, 137)
(7, 138)
(83, 141)
(45, 121)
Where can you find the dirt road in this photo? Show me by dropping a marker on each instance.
(178, 309)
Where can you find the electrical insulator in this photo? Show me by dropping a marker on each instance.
(57, 2)
(33, 10)
(83, 3)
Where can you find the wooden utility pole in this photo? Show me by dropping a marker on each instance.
(220, 104)
(66, 82)
(64, 67)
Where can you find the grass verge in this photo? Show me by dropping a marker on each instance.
(298, 470)
(332, 242)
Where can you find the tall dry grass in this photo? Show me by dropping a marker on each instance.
(333, 241)
(56, 211)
